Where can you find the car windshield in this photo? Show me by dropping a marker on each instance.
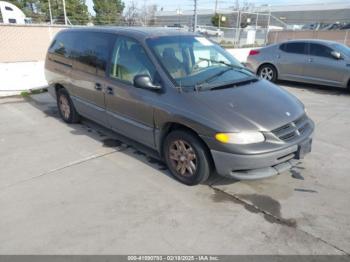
(342, 49)
(194, 61)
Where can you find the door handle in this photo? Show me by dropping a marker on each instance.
(98, 87)
(310, 60)
(109, 90)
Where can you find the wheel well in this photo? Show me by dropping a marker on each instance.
(348, 86)
(58, 87)
(264, 64)
(169, 127)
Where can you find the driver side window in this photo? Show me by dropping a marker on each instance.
(320, 50)
(129, 59)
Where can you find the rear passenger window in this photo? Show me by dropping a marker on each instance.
(91, 51)
(130, 59)
(296, 48)
(320, 50)
(63, 44)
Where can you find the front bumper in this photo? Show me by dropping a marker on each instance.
(250, 167)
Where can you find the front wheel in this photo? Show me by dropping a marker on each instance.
(268, 72)
(186, 157)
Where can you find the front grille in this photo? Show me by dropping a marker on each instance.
(293, 129)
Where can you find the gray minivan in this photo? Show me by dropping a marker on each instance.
(181, 95)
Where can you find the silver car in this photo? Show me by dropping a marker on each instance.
(310, 61)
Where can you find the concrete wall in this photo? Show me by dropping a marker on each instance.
(341, 36)
(23, 43)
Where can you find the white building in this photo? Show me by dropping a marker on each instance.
(11, 14)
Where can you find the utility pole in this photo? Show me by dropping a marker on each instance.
(64, 12)
(268, 25)
(195, 16)
(50, 12)
(216, 6)
(238, 27)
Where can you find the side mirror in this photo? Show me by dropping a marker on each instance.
(144, 81)
(336, 55)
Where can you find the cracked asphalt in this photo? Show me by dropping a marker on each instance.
(81, 189)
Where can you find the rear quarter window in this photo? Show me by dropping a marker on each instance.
(62, 45)
(92, 51)
(295, 48)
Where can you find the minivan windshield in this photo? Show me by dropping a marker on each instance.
(195, 61)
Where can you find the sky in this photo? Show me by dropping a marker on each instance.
(206, 4)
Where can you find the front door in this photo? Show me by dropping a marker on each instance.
(322, 67)
(129, 109)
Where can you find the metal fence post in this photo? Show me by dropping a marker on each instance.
(195, 16)
(64, 12)
(238, 25)
(346, 37)
(268, 27)
(50, 11)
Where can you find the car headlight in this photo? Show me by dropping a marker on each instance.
(240, 138)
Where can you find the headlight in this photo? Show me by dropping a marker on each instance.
(241, 138)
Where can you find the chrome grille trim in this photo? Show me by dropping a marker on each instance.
(293, 129)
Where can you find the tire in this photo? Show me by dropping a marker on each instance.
(268, 72)
(66, 108)
(196, 153)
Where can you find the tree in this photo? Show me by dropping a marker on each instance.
(144, 16)
(215, 20)
(108, 11)
(38, 10)
(31, 8)
(131, 15)
(77, 12)
(148, 15)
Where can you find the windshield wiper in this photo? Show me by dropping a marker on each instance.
(234, 84)
(223, 63)
(200, 84)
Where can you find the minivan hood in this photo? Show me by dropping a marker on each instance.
(260, 106)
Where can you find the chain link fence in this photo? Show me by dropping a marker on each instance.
(235, 37)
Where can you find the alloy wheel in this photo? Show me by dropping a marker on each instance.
(64, 106)
(183, 158)
(266, 73)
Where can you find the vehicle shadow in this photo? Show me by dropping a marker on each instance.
(319, 89)
(109, 138)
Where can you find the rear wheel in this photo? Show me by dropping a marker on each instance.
(66, 108)
(268, 72)
(186, 157)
